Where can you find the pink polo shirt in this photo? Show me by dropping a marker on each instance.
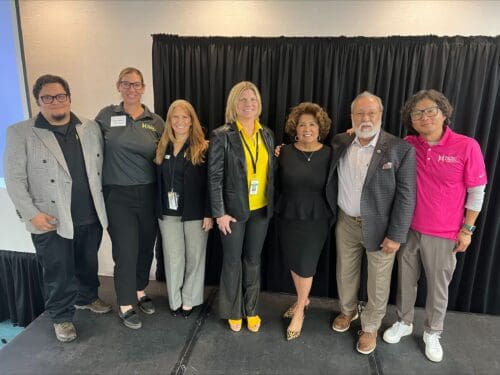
(444, 172)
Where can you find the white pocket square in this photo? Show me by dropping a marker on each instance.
(387, 165)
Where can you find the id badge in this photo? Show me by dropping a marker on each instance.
(173, 200)
(254, 186)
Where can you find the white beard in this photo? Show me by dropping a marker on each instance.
(364, 134)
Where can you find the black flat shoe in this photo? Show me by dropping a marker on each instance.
(175, 312)
(130, 319)
(146, 305)
(186, 313)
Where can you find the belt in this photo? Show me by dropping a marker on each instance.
(357, 219)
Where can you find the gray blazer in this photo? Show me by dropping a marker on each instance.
(37, 176)
(389, 191)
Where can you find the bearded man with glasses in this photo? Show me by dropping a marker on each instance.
(451, 178)
(53, 166)
(376, 198)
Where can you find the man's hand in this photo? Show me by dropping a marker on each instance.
(389, 246)
(207, 224)
(277, 150)
(463, 242)
(224, 223)
(44, 222)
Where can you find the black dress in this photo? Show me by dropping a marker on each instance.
(303, 212)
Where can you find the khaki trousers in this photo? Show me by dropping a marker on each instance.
(350, 251)
(437, 258)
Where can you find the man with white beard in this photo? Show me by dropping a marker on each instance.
(376, 198)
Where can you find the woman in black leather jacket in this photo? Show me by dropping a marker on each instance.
(240, 182)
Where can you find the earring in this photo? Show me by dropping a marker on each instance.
(319, 138)
(296, 139)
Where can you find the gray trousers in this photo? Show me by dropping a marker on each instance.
(437, 258)
(184, 250)
(350, 249)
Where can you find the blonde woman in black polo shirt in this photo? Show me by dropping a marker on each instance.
(182, 204)
(131, 132)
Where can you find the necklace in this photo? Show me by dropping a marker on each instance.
(308, 157)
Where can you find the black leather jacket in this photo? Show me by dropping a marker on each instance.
(227, 173)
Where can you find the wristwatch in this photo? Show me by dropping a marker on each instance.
(470, 228)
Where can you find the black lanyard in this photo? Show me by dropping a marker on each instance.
(254, 161)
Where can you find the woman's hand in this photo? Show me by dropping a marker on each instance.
(207, 224)
(277, 150)
(224, 222)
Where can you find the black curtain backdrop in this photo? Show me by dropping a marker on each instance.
(21, 287)
(331, 72)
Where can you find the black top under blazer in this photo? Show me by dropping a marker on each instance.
(227, 173)
(389, 191)
(196, 205)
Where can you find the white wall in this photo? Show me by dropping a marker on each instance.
(89, 42)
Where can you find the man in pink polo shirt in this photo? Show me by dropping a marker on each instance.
(451, 177)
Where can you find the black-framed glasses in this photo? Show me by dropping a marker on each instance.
(135, 85)
(429, 112)
(49, 99)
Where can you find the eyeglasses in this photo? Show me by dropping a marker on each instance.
(135, 85)
(371, 114)
(49, 99)
(429, 112)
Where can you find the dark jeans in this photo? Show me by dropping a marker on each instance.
(240, 276)
(132, 228)
(69, 269)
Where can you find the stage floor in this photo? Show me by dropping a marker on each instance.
(203, 344)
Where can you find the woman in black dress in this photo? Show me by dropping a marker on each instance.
(304, 215)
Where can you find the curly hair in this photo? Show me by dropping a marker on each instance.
(322, 118)
(436, 96)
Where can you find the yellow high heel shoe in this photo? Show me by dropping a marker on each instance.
(288, 314)
(253, 323)
(235, 324)
(291, 334)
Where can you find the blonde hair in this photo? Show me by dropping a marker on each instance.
(234, 96)
(197, 143)
(129, 70)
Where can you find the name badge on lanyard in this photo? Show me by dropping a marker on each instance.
(253, 189)
(173, 200)
(254, 186)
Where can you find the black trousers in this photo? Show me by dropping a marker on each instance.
(240, 276)
(69, 269)
(132, 228)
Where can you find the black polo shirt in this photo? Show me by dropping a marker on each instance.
(129, 145)
(82, 205)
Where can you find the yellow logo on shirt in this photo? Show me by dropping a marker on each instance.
(148, 127)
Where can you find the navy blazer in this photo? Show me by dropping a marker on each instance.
(389, 191)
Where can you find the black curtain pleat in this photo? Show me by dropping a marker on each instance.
(331, 72)
(21, 287)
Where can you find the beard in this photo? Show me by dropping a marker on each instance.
(59, 116)
(370, 130)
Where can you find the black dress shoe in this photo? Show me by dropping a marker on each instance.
(175, 312)
(186, 313)
(130, 318)
(146, 305)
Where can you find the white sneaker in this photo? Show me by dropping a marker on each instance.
(393, 334)
(433, 349)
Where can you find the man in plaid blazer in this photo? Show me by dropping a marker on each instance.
(376, 198)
